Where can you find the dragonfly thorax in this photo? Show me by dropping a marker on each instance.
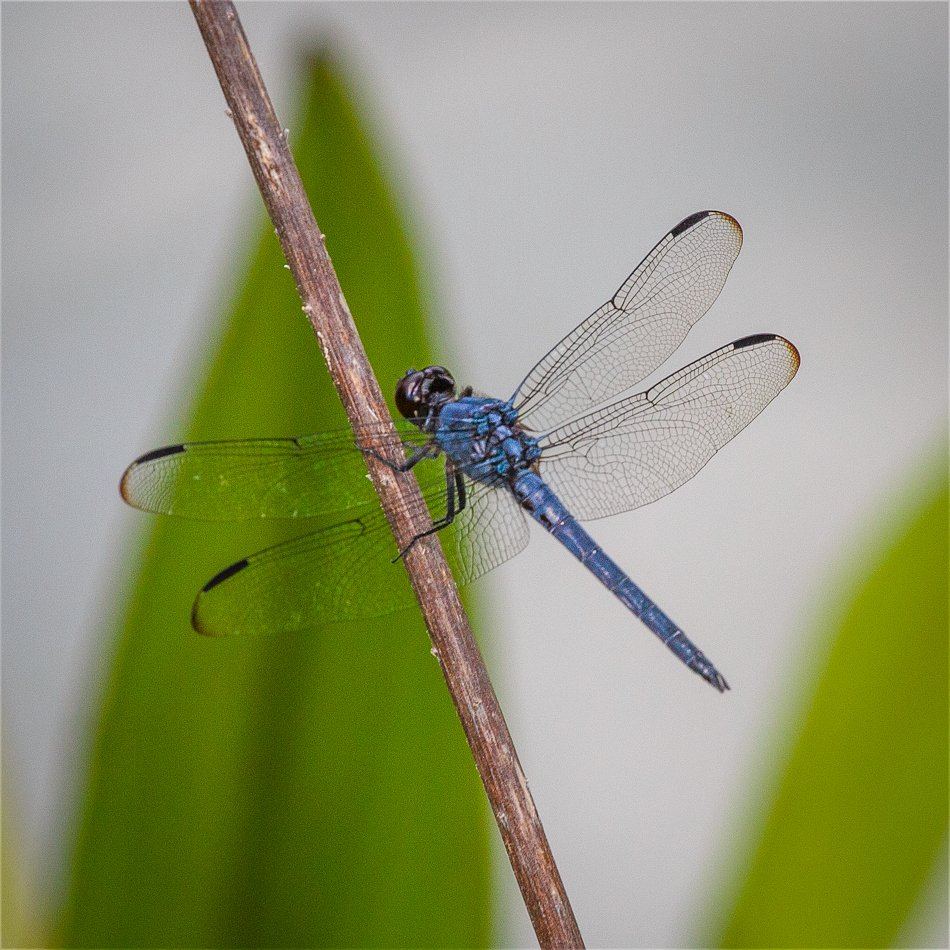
(483, 438)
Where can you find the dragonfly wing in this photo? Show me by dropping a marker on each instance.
(347, 571)
(338, 573)
(260, 478)
(633, 333)
(639, 449)
(490, 530)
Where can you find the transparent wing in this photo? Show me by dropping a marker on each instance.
(492, 529)
(632, 334)
(346, 571)
(260, 478)
(340, 573)
(638, 449)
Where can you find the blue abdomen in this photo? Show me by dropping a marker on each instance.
(550, 512)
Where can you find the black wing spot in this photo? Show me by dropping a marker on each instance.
(755, 339)
(687, 223)
(159, 454)
(224, 575)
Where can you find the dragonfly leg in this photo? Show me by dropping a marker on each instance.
(427, 451)
(454, 488)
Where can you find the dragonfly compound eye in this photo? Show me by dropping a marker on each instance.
(419, 390)
(439, 380)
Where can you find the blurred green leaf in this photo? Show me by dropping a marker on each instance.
(293, 791)
(860, 814)
(17, 906)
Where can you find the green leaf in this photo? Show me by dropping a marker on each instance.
(860, 815)
(305, 790)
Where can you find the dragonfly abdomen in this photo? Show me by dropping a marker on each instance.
(548, 510)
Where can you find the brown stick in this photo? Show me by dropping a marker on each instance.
(453, 643)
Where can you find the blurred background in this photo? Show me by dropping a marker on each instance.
(527, 157)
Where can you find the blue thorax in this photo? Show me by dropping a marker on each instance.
(482, 437)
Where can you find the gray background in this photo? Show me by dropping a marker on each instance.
(544, 150)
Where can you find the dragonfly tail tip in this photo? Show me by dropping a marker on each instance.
(719, 681)
(715, 679)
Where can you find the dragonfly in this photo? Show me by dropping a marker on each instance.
(570, 445)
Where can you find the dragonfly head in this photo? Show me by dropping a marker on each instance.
(421, 391)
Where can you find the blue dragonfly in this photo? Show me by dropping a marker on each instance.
(570, 445)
